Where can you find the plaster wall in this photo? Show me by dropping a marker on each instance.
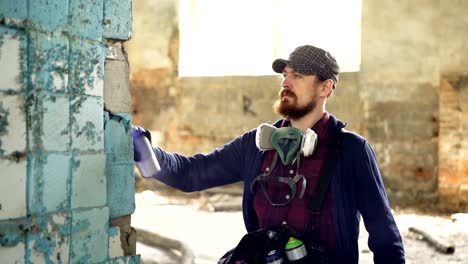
(411, 51)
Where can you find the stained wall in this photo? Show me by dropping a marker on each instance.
(408, 99)
(66, 157)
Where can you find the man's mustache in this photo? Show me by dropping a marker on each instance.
(286, 92)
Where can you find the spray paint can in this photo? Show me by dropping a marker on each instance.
(295, 251)
(274, 257)
(144, 157)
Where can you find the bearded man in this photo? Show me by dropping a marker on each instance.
(304, 171)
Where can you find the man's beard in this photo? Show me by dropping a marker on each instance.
(290, 110)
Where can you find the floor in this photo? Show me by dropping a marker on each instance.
(210, 234)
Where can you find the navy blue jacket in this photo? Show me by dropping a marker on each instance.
(357, 189)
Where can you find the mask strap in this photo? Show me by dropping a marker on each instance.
(265, 177)
(262, 177)
(300, 176)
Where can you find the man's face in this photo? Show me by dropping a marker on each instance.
(298, 95)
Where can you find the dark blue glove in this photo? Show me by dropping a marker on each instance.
(140, 130)
(137, 133)
(143, 154)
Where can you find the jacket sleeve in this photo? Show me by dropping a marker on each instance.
(384, 237)
(199, 172)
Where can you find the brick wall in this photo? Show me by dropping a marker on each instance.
(66, 158)
(453, 141)
(453, 105)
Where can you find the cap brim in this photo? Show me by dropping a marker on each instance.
(279, 64)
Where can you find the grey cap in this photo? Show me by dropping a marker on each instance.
(310, 60)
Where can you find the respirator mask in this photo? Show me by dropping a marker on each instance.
(289, 143)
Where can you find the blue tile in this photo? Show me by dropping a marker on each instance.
(118, 142)
(14, 9)
(35, 183)
(51, 14)
(87, 123)
(86, 18)
(13, 60)
(86, 67)
(118, 19)
(13, 125)
(56, 130)
(49, 56)
(88, 181)
(13, 189)
(118, 139)
(56, 179)
(121, 182)
(89, 238)
(51, 242)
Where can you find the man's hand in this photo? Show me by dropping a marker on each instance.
(138, 130)
(138, 144)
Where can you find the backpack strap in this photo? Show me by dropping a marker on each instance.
(326, 172)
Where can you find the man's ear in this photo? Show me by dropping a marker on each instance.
(327, 88)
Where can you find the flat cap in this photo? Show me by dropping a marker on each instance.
(308, 60)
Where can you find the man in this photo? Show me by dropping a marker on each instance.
(283, 168)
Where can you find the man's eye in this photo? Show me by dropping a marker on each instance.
(297, 75)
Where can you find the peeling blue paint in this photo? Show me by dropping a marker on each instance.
(56, 111)
(62, 67)
(89, 238)
(122, 146)
(35, 184)
(46, 235)
(86, 57)
(118, 19)
(14, 9)
(10, 237)
(89, 130)
(125, 260)
(11, 233)
(44, 244)
(20, 36)
(76, 164)
(52, 14)
(3, 125)
(119, 164)
(87, 123)
(48, 55)
(114, 231)
(86, 18)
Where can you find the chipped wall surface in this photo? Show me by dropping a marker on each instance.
(453, 138)
(65, 147)
(399, 83)
(191, 115)
(407, 105)
(408, 51)
(453, 104)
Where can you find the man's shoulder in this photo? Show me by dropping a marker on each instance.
(352, 137)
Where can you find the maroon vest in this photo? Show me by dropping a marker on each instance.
(296, 213)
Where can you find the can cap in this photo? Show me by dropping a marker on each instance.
(293, 243)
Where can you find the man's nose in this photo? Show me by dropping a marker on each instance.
(286, 83)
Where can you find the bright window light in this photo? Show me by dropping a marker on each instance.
(243, 37)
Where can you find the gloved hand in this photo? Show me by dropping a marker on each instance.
(143, 154)
(138, 130)
(138, 147)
